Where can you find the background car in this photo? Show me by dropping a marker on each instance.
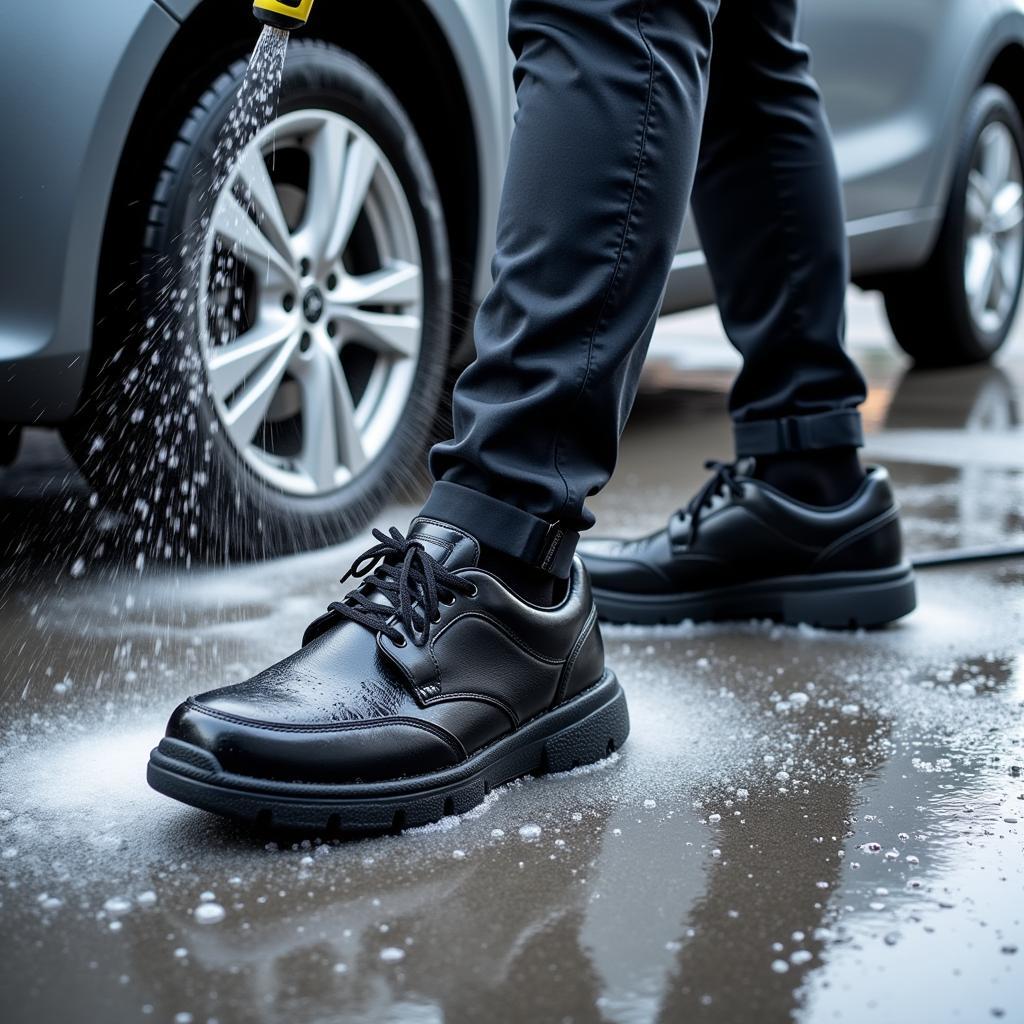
(327, 330)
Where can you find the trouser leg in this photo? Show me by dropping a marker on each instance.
(769, 211)
(611, 98)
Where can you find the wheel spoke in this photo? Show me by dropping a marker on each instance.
(331, 435)
(980, 275)
(391, 334)
(229, 365)
(249, 408)
(326, 168)
(1008, 207)
(397, 284)
(234, 225)
(979, 198)
(996, 154)
(994, 298)
(253, 173)
(360, 167)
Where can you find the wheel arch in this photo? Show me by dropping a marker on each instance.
(994, 57)
(993, 51)
(1007, 71)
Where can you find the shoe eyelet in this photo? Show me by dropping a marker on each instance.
(447, 598)
(397, 644)
(435, 618)
(474, 591)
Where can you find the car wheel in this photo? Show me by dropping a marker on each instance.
(959, 307)
(292, 355)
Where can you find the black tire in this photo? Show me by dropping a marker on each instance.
(928, 307)
(147, 437)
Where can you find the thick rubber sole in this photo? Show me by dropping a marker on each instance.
(583, 730)
(846, 600)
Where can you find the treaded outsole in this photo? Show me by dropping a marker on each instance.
(852, 600)
(582, 731)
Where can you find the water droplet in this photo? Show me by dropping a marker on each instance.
(209, 913)
(117, 906)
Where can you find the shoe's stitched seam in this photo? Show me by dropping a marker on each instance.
(464, 754)
(777, 533)
(511, 634)
(434, 688)
(541, 714)
(340, 727)
(862, 531)
(483, 698)
(446, 544)
(563, 679)
(448, 526)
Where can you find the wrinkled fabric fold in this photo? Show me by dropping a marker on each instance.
(611, 106)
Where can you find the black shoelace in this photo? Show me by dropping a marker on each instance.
(722, 482)
(412, 580)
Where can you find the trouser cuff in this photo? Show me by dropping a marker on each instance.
(498, 525)
(838, 429)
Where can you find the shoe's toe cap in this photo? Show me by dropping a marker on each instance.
(336, 753)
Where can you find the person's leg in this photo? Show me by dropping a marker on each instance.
(611, 98)
(432, 681)
(769, 210)
(794, 530)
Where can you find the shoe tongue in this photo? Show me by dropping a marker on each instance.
(450, 546)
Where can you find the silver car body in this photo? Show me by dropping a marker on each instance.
(897, 76)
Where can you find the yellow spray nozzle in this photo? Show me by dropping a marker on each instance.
(286, 14)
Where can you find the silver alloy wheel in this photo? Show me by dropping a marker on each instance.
(994, 230)
(296, 275)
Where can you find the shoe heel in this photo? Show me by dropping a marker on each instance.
(856, 605)
(591, 739)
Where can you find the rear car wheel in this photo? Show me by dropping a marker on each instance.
(959, 307)
(290, 362)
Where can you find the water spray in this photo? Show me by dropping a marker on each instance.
(284, 14)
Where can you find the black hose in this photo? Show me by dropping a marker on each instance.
(962, 556)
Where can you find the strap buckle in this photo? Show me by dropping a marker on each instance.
(791, 438)
(550, 543)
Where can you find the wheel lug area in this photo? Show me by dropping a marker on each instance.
(305, 267)
(332, 282)
(305, 342)
(288, 302)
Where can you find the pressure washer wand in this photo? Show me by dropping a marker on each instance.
(285, 14)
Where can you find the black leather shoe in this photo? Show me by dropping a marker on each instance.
(429, 684)
(743, 550)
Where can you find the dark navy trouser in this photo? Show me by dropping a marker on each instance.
(608, 146)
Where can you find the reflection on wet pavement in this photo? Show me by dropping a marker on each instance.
(825, 826)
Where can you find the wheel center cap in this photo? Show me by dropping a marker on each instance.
(313, 305)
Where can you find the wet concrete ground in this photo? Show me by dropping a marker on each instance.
(809, 825)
